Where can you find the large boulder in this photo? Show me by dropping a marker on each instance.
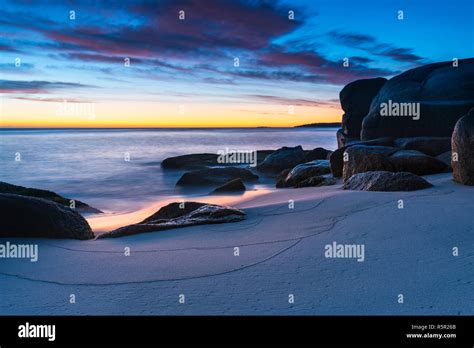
(304, 171)
(386, 181)
(283, 158)
(336, 158)
(318, 153)
(30, 217)
(444, 94)
(176, 215)
(316, 181)
(416, 162)
(236, 185)
(362, 158)
(215, 176)
(355, 99)
(49, 195)
(463, 149)
(432, 146)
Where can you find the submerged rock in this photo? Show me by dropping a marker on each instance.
(386, 181)
(176, 215)
(463, 149)
(215, 176)
(49, 195)
(24, 216)
(192, 161)
(236, 185)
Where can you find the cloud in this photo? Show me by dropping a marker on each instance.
(296, 101)
(13, 86)
(370, 43)
(352, 39)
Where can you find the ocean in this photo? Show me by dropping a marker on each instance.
(117, 169)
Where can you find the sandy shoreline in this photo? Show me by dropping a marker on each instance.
(407, 251)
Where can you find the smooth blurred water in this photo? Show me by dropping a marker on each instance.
(90, 165)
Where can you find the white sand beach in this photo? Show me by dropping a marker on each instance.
(408, 251)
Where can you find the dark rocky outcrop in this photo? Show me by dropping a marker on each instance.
(386, 181)
(318, 153)
(444, 93)
(355, 99)
(49, 195)
(303, 172)
(463, 149)
(215, 176)
(24, 216)
(283, 158)
(236, 185)
(432, 146)
(336, 158)
(175, 215)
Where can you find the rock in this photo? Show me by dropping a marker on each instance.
(30, 217)
(262, 154)
(318, 180)
(49, 195)
(280, 180)
(355, 99)
(416, 162)
(318, 153)
(444, 94)
(304, 171)
(236, 185)
(432, 146)
(202, 160)
(336, 158)
(363, 158)
(172, 216)
(463, 148)
(343, 139)
(192, 161)
(386, 181)
(283, 158)
(215, 176)
(446, 159)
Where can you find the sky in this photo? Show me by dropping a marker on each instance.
(212, 63)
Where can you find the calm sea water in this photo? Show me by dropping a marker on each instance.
(90, 165)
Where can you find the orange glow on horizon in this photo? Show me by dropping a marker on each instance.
(159, 115)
